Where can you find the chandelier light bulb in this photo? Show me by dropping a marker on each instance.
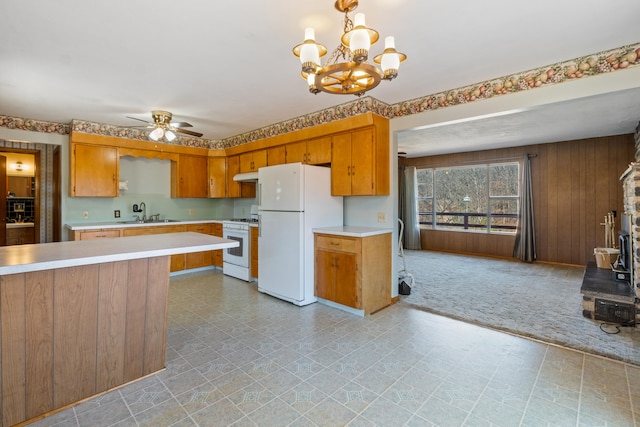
(311, 81)
(359, 41)
(309, 52)
(390, 59)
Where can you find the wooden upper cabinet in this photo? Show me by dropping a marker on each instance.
(237, 189)
(189, 177)
(251, 161)
(93, 171)
(276, 155)
(296, 152)
(217, 177)
(355, 162)
(313, 152)
(319, 151)
(341, 165)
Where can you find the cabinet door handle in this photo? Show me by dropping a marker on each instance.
(353, 170)
(349, 170)
(336, 263)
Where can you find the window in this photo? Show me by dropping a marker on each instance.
(481, 198)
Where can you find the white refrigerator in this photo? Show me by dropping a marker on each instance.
(293, 199)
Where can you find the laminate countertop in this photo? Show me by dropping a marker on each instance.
(47, 256)
(352, 230)
(130, 224)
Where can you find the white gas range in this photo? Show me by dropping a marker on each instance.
(236, 260)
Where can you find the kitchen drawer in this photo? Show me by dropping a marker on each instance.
(333, 243)
(99, 234)
(139, 231)
(201, 228)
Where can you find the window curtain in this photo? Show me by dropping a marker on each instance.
(525, 246)
(409, 208)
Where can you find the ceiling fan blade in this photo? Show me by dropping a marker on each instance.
(181, 125)
(140, 120)
(189, 132)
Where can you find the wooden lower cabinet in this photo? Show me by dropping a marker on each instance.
(178, 262)
(71, 333)
(20, 236)
(95, 234)
(217, 255)
(354, 271)
(199, 259)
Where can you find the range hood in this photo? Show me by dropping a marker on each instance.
(249, 176)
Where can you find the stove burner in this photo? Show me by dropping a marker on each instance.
(250, 220)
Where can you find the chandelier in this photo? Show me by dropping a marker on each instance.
(346, 70)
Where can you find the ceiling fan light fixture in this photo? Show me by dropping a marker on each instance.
(169, 135)
(346, 70)
(156, 134)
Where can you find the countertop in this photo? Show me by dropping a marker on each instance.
(125, 224)
(352, 230)
(47, 256)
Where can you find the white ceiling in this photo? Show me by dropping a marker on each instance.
(227, 67)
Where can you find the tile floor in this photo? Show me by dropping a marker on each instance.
(238, 357)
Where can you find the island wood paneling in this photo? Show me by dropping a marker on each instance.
(12, 307)
(136, 291)
(74, 328)
(39, 355)
(112, 320)
(70, 333)
(575, 184)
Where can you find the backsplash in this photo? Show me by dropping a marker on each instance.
(20, 209)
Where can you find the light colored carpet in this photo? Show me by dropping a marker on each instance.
(539, 301)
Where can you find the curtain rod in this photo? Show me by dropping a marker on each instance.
(473, 162)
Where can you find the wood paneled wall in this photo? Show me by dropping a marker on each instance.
(575, 184)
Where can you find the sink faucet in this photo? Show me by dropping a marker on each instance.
(141, 208)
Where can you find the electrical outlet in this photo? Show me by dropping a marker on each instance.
(382, 217)
(85, 214)
(116, 213)
(192, 211)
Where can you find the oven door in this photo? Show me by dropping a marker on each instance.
(240, 254)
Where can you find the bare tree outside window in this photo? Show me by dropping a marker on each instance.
(481, 198)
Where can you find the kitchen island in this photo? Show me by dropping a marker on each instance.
(81, 317)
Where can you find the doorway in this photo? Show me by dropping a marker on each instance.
(41, 194)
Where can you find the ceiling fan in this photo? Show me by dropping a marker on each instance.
(163, 127)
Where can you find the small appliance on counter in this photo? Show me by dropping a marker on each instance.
(293, 199)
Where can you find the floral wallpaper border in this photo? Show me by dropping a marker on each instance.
(586, 66)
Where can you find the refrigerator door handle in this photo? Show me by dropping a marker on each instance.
(259, 194)
(259, 225)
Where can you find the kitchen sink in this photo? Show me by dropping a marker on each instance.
(148, 221)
